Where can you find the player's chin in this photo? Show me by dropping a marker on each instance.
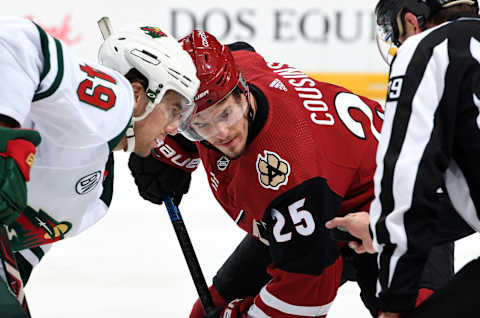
(233, 153)
(236, 155)
(238, 150)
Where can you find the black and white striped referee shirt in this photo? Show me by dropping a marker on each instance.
(430, 138)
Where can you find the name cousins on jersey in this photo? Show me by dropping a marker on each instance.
(343, 102)
(306, 89)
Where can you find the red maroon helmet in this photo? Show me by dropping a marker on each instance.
(215, 68)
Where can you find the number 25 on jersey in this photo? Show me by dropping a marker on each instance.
(302, 219)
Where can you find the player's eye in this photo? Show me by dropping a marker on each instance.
(224, 115)
(174, 113)
(200, 125)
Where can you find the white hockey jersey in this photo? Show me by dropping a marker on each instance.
(81, 110)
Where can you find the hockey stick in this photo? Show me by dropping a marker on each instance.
(105, 27)
(177, 222)
(10, 267)
(190, 257)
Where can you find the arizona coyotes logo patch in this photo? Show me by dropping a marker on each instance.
(272, 170)
(154, 32)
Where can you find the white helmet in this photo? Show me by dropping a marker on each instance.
(157, 56)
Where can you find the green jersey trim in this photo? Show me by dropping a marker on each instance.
(107, 193)
(45, 52)
(115, 141)
(39, 253)
(46, 55)
(24, 266)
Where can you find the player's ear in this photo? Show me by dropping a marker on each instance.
(138, 90)
(411, 24)
(140, 98)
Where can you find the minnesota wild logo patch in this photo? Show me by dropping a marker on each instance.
(35, 228)
(154, 32)
(272, 170)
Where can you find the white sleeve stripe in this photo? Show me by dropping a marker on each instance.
(13, 271)
(34, 258)
(30, 257)
(255, 312)
(280, 305)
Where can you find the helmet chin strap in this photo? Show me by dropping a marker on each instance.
(250, 111)
(130, 133)
(148, 109)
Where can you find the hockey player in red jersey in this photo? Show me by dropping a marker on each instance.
(284, 153)
(272, 148)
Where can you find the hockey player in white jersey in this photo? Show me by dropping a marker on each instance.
(81, 111)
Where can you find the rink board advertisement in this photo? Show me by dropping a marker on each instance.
(334, 41)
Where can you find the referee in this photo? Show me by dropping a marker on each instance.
(430, 143)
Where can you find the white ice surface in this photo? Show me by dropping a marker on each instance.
(130, 264)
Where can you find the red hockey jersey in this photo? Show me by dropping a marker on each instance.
(313, 159)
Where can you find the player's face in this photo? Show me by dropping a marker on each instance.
(226, 126)
(163, 120)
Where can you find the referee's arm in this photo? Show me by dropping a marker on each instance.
(411, 160)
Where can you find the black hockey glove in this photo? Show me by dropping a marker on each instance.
(167, 171)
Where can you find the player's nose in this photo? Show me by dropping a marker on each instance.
(222, 130)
